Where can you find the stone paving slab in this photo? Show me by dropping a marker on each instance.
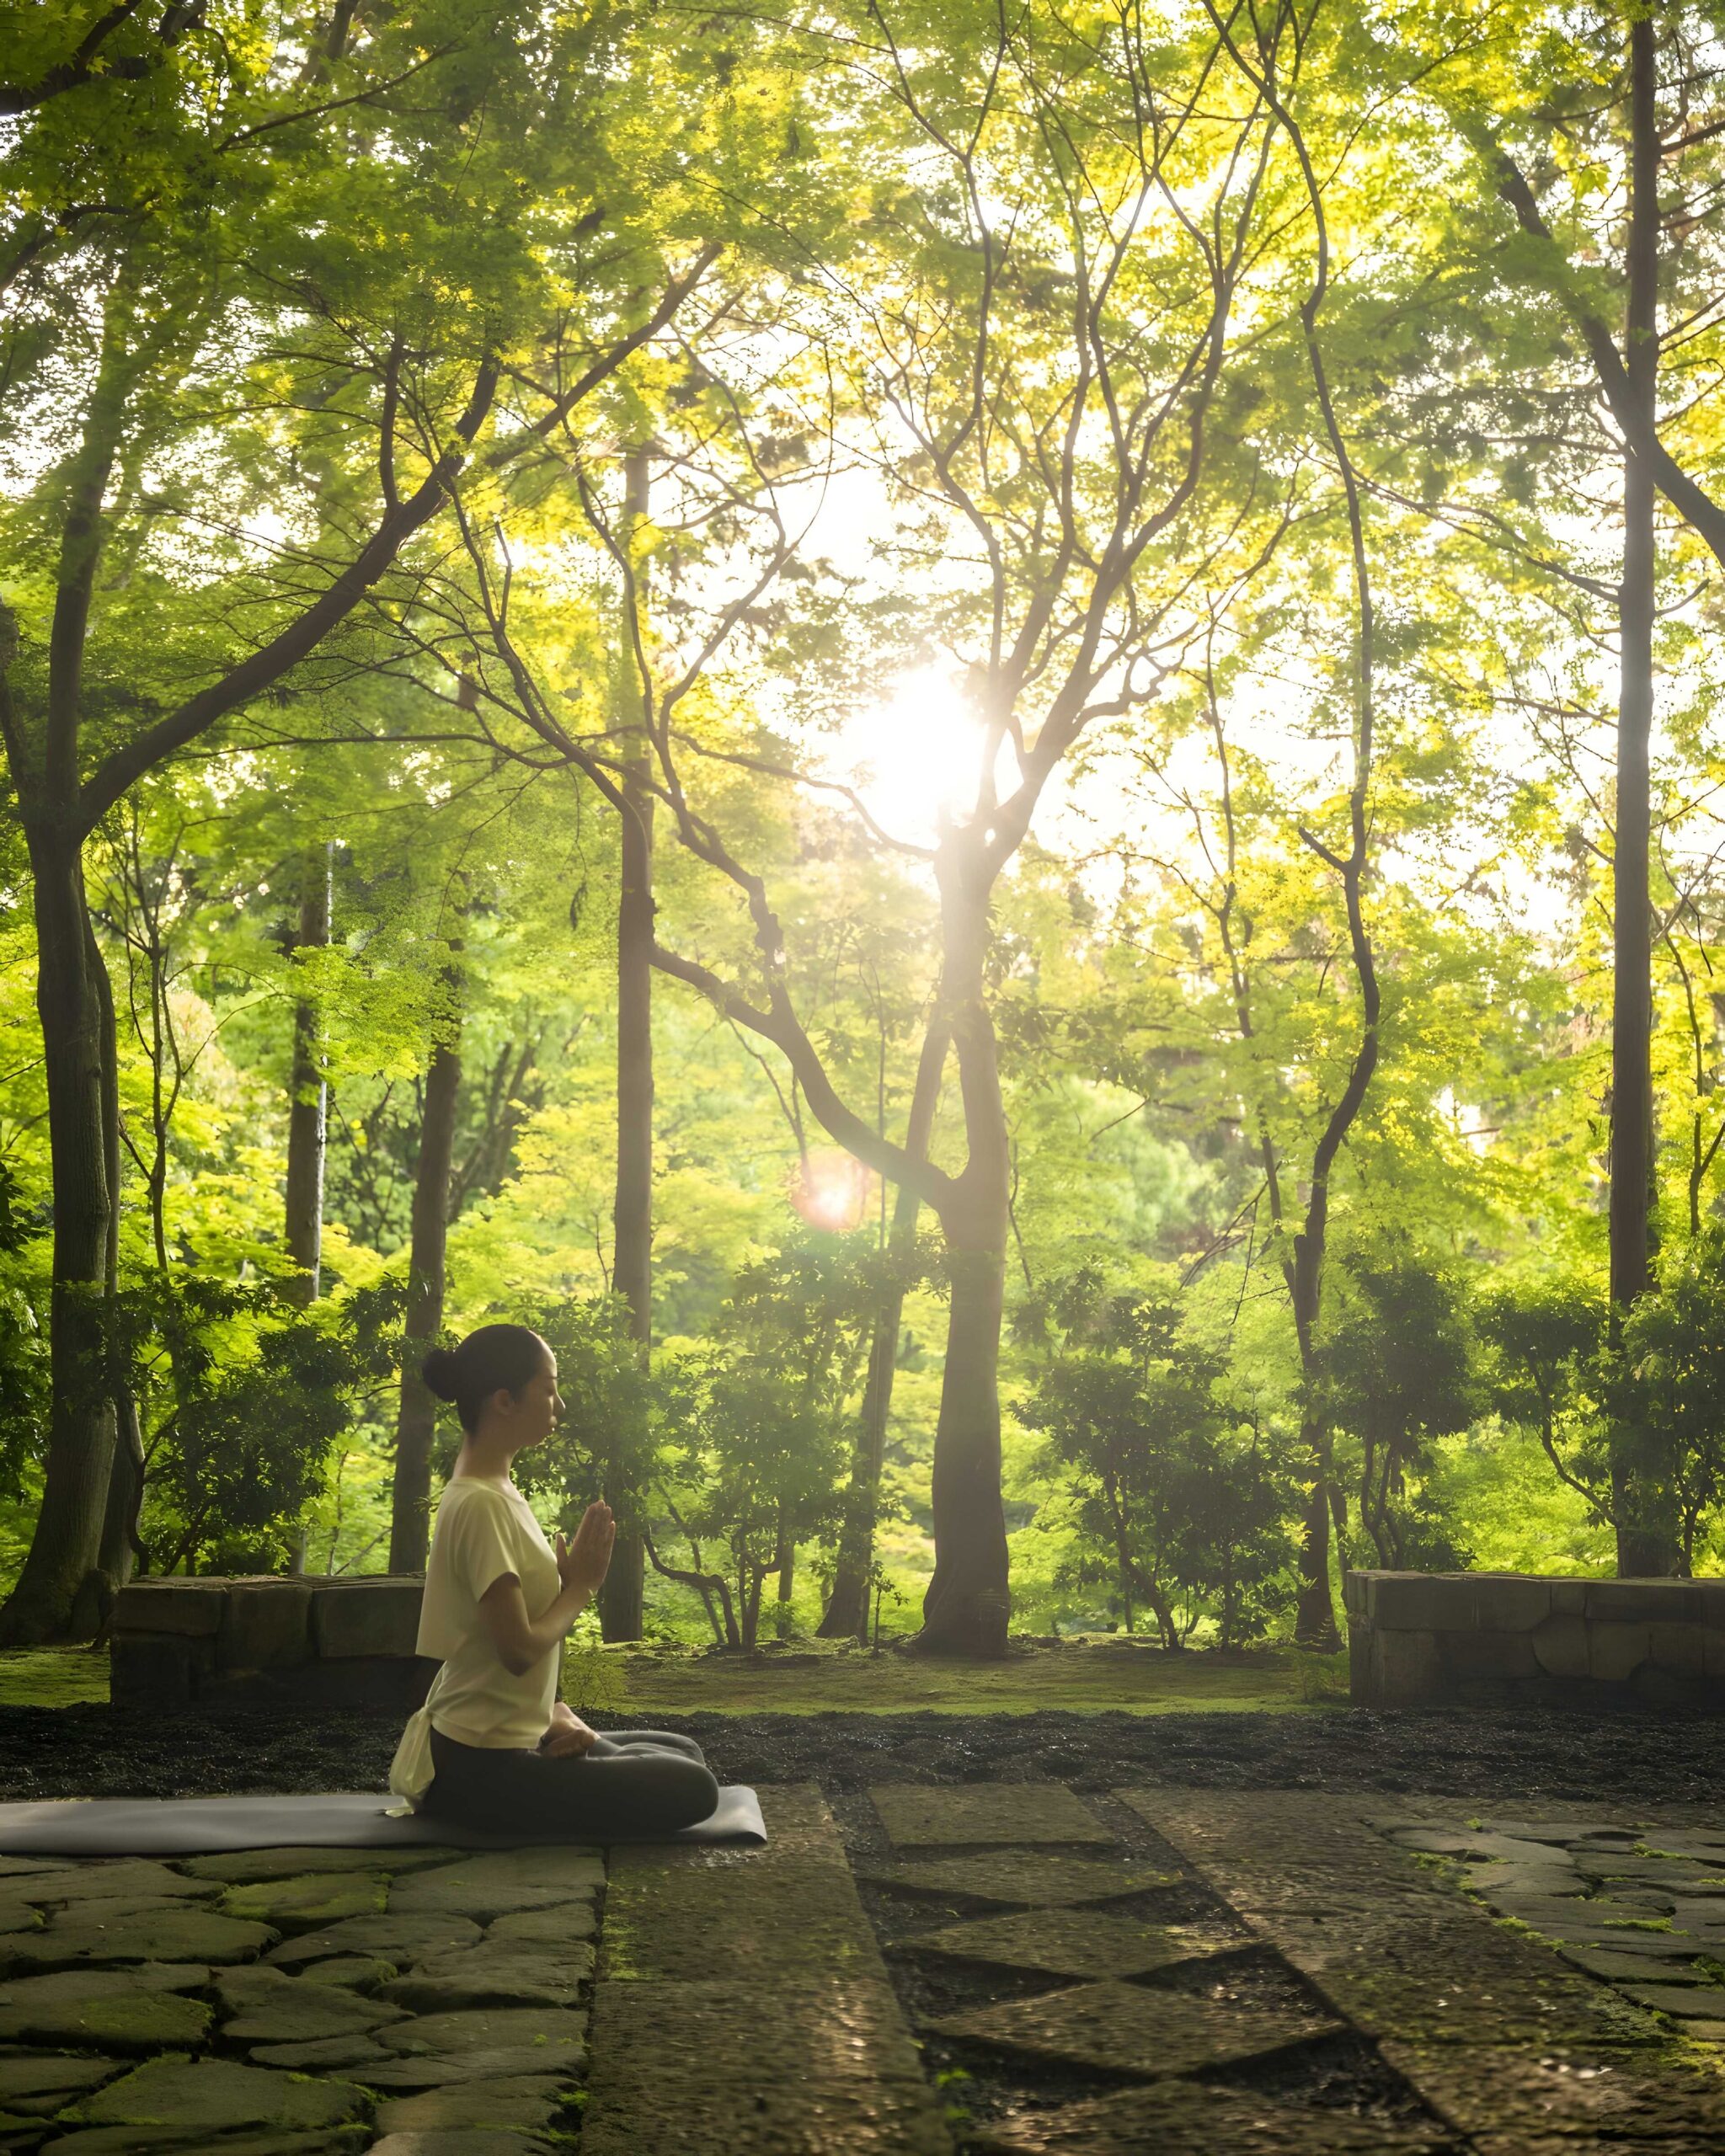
(263, 2006)
(182, 2141)
(1075, 1943)
(544, 2039)
(684, 1924)
(1589, 1893)
(786, 2052)
(295, 2043)
(122, 2009)
(171, 1932)
(1038, 1879)
(308, 1898)
(709, 2069)
(399, 1940)
(1187, 2118)
(1440, 1975)
(461, 2142)
(241, 1867)
(1590, 2090)
(136, 1880)
(211, 2095)
(506, 1880)
(507, 1974)
(32, 2083)
(556, 1927)
(985, 1814)
(1701, 2144)
(319, 2053)
(517, 2103)
(801, 1825)
(1130, 2029)
(1465, 2008)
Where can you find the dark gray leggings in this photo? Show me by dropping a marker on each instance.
(637, 1782)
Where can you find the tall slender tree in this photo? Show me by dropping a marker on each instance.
(846, 1616)
(620, 1598)
(416, 1418)
(308, 1093)
(1639, 138)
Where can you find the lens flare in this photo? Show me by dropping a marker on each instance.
(831, 1190)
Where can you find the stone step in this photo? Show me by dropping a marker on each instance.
(743, 2008)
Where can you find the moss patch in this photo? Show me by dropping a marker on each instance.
(53, 1676)
(1080, 1676)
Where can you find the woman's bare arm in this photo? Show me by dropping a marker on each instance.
(522, 1641)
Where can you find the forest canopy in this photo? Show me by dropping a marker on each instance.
(983, 745)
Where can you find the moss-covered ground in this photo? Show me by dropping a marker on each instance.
(810, 1678)
(1084, 1676)
(52, 1677)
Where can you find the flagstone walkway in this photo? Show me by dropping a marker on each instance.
(1004, 1968)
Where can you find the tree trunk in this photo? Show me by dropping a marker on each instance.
(966, 1610)
(847, 1614)
(410, 1508)
(66, 1544)
(1315, 1608)
(308, 1097)
(784, 1559)
(622, 1613)
(126, 1478)
(1646, 1538)
(968, 1606)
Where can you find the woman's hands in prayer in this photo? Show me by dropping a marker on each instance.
(522, 1642)
(568, 1736)
(584, 1558)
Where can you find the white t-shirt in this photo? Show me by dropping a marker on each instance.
(484, 1530)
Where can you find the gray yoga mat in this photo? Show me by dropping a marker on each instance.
(200, 1826)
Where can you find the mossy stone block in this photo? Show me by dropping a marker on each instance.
(399, 1939)
(500, 1883)
(240, 1867)
(1130, 2029)
(1088, 1943)
(368, 1617)
(310, 1901)
(191, 1608)
(170, 1931)
(1040, 1878)
(121, 2009)
(986, 1815)
(263, 2006)
(212, 2095)
(521, 2103)
(1187, 2118)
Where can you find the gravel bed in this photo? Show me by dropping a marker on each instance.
(1568, 1756)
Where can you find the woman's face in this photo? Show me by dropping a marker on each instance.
(533, 1412)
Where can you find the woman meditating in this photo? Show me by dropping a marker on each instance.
(493, 1746)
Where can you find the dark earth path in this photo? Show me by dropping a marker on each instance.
(1565, 1757)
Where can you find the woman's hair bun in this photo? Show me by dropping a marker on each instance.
(441, 1373)
(496, 1358)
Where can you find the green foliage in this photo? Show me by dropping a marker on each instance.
(241, 1402)
(754, 1437)
(592, 1679)
(1175, 1491)
(1394, 1375)
(255, 267)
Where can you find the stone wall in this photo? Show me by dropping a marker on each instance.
(340, 1642)
(1424, 1638)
